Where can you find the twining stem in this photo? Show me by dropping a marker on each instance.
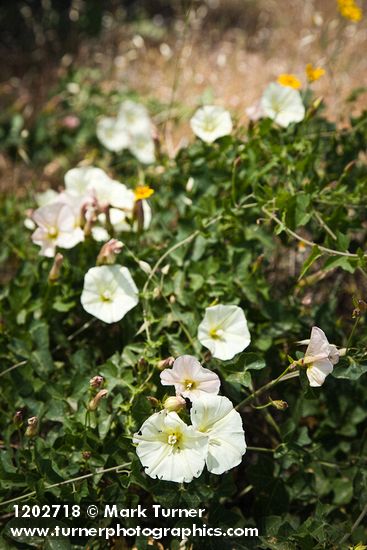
(355, 524)
(303, 240)
(356, 322)
(264, 388)
(117, 469)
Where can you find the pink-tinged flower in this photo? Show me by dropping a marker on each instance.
(57, 226)
(71, 122)
(255, 112)
(320, 357)
(109, 251)
(190, 378)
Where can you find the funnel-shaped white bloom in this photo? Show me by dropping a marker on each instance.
(214, 416)
(142, 147)
(109, 292)
(134, 117)
(169, 449)
(211, 122)
(320, 357)
(190, 378)
(224, 331)
(46, 197)
(79, 180)
(282, 104)
(112, 134)
(57, 226)
(113, 193)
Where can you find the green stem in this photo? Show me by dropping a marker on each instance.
(356, 322)
(261, 390)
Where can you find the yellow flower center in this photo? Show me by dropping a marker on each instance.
(143, 192)
(216, 333)
(106, 296)
(52, 232)
(189, 384)
(289, 80)
(174, 440)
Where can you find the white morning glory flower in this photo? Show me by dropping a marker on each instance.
(109, 292)
(134, 117)
(112, 134)
(224, 331)
(46, 197)
(211, 122)
(169, 449)
(111, 192)
(190, 378)
(282, 104)
(215, 416)
(142, 147)
(320, 357)
(57, 226)
(79, 180)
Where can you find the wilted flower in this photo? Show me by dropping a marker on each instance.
(112, 134)
(32, 427)
(109, 251)
(283, 105)
(289, 80)
(215, 416)
(57, 226)
(224, 331)
(320, 357)
(54, 273)
(109, 292)
(314, 73)
(211, 122)
(169, 449)
(93, 404)
(96, 381)
(164, 363)
(190, 378)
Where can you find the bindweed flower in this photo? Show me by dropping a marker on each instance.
(112, 134)
(109, 251)
(142, 147)
(190, 378)
(169, 449)
(314, 73)
(289, 80)
(57, 226)
(174, 403)
(109, 292)
(78, 181)
(164, 363)
(215, 416)
(320, 357)
(224, 331)
(46, 197)
(211, 122)
(283, 105)
(134, 117)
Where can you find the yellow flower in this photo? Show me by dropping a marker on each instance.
(143, 192)
(350, 10)
(359, 546)
(289, 80)
(314, 73)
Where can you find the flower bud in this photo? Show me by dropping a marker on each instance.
(86, 455)
(166, 363)
(32, 428)
(145, 267)
(280, 405)
(109, 251)
(153, 401)
(174, 403)
(93, 404)
(56, 268)
(96, 381)
(18, 418)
